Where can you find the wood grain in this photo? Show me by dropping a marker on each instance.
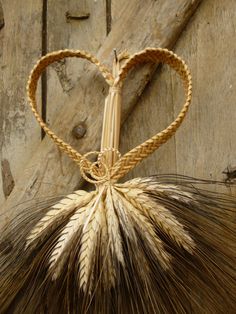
(205, 145)
(157, 23)
(2, 194)
(20, 46)
(208, 143)
(86, 34)
(1, 17)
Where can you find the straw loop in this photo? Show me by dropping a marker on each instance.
(35, 74)
(100, 171)
(137, 154)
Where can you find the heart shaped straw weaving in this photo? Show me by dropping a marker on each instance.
(158, 244)
(136, 155)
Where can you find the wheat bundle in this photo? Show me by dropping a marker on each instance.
(160, 244)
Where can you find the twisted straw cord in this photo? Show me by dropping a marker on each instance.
(137, 154)
(40, 66)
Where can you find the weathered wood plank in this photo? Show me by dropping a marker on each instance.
(117, 9)
(156, 24)
(1, 18)
(153, 113)
(65, 32)
(2, 196)
(205, 145)
(20, 46)
(211, 129)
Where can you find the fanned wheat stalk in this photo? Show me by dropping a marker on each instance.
(58, 212)
(62, 247)
(131, 242)
(142, 222)
(113, 227)
(89, 241)
(160, 215)
(107, 255)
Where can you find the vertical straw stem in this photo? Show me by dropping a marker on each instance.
(111, 121)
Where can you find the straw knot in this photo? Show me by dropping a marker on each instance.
(97, 171)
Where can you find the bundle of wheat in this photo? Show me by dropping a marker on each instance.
(160, 244)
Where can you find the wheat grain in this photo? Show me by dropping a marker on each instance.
(60, 251)
(113, 228)
(58, 212)
(108, 272)
(164, 219)
(89, 242)
(149, 236)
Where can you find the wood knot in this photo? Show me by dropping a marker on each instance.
(79, 130)
(230, 173)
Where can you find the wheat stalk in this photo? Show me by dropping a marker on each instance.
(150, 185)
(58, 212)
(113, 227)
(62, 247)
(108, 272)
(164, 219)
(147, 228)
(89, 241)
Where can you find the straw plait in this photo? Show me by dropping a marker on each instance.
(128, 161)
(36, 72)
(137, 154)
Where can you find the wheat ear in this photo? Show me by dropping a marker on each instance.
(63, 245)
(89, 242)
(166, 221)
(149, 185)
(146, 227)
(108, 271)
(113, 227)
(58, 212)
(125, 219)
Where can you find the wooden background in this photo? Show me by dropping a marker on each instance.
(202, 32)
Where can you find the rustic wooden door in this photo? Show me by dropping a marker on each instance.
(205, 145)
(71, 94)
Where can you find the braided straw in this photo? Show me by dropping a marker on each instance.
(40, 66)
(127, 162)
(137, 154)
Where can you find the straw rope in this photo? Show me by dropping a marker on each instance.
(98, 171)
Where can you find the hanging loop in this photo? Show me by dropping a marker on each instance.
(155, 55)
(35, 74)
(100, 171)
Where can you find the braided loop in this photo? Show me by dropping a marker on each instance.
(40, 66)
(155, 55)
(96, 172)
(99, 171)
